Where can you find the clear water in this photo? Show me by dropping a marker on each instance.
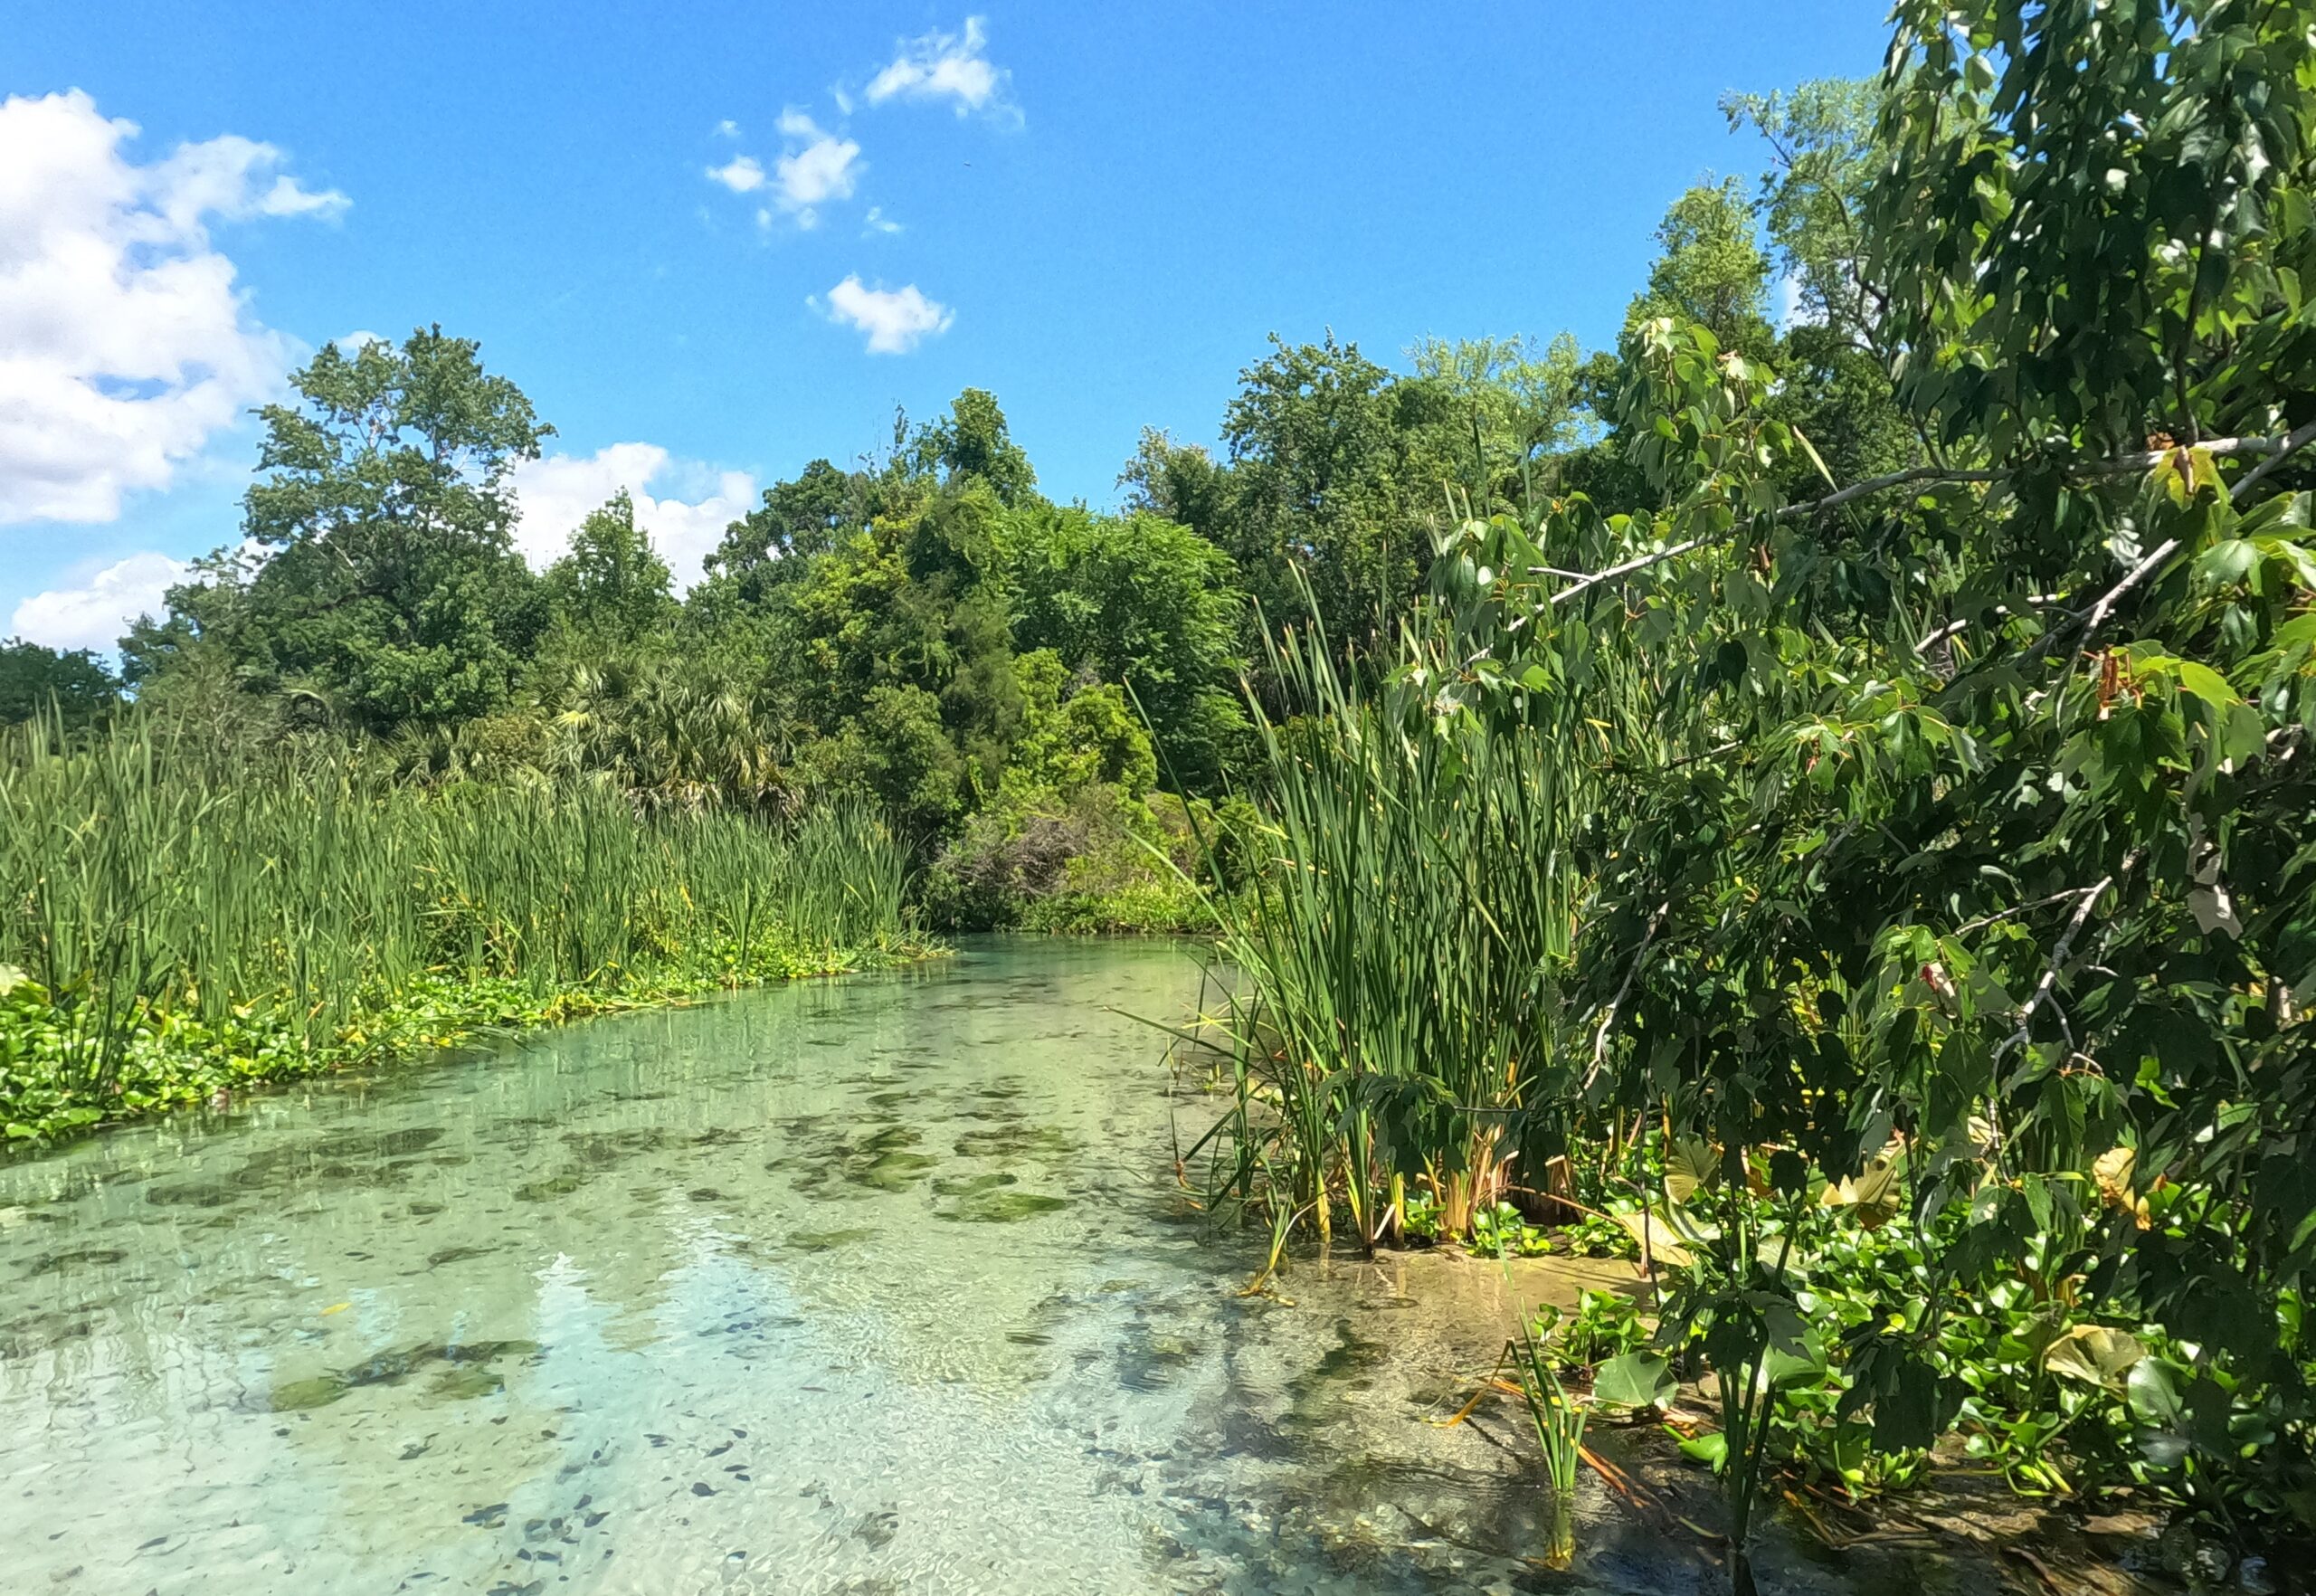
(880, 1285)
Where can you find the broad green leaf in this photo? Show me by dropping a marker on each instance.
(2207, 684)
(1637, 1380)
(1690, 1167)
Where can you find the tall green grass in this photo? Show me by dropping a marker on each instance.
(1389, 984)
(144, 872)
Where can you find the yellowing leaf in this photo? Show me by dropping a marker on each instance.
(1657, 1239)
(1690, 1167)
(336, 1308)
(2094, 1354)
(1872, 1195)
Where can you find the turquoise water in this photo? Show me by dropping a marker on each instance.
(879, 1284)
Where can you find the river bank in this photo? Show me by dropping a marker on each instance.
(176, 1060)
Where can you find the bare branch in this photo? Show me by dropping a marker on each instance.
(2299, 439)
(2275, 449)
(2049, 983)
(1983, 921)
(1609, 1017)
(1613, 572)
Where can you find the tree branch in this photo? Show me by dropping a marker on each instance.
(2049, 983)
(2276, 450)
(1608, 1018)
(1613, 572)
(2299, 439)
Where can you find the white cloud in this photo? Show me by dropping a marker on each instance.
(825, 168)
(558, 491)
(896, 319)
(816, 167)
(876, 221)
(943, 66)
(94, 615)
(728, 128)
(355, 342)
(741, 174)
(124, 341)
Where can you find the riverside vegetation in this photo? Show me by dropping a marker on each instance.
(1851, 827)
(1822, 810)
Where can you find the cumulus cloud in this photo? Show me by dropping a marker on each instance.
(741, 173)
(125, 343)
(876, 221)
(94, 615)
(896, 319)
(816, 167)
(821, 168)
(944, 66)
(555, 492)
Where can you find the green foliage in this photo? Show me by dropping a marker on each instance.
(974, 444)
(1822, 141)
(1337, 473)
(1605, 1326)
(73, 685)
(390, 591)
(797, 520)
(1711, 269)
(194, 916)
(1146, 604)
(611, 589)
(1931, 925)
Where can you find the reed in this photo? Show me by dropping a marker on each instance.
(146, 872)
(1558, 1421)
(1388, 983)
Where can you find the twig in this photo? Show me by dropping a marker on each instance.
(2163, 551)
(2044, 988)
(1613, 572)
(2294, 441)
(1983, 921)
(1607, 1018)
(2275, 449)
(2093, 619)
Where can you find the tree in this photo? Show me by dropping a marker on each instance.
(389, 590)
(1142, 602)
(1709, 270)
(973, 444)
(1338, 473)
(1520, 406)
(613, 588)
(1821, 137)
(798, 519)
(1985, 910)
(1178, 482)
(70, 684)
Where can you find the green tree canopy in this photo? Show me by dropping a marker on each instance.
(72, 684)
(387, 589)
(1144, 603)
(613, 589)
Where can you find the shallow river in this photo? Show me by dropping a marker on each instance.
(878, 1284)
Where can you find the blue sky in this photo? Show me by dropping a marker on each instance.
(1098, 212)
